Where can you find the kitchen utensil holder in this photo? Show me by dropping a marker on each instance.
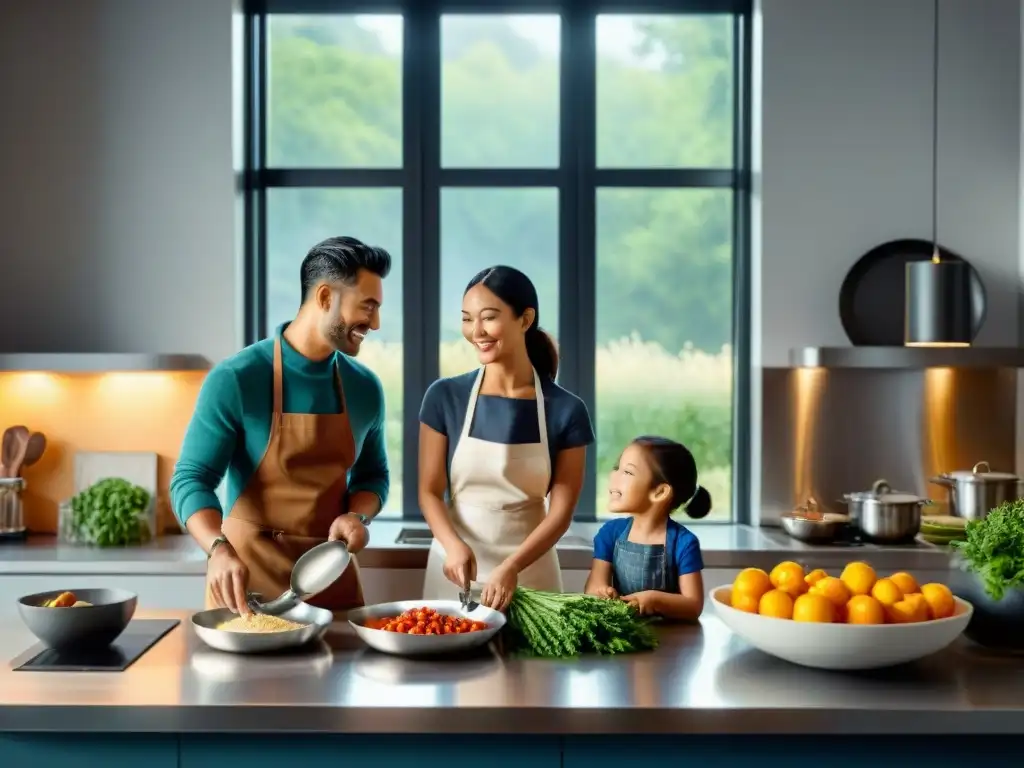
(12, 514)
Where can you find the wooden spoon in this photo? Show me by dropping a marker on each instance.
(33, 452)
(20, 449)
(11, 448)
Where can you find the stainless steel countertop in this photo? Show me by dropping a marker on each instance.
(723, 546)
(701, 680)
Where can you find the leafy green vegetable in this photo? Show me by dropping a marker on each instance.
(994, 548)
(554, 625)
(111, 513)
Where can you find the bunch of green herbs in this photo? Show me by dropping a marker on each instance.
(994, 548)
(557, 626)
(111, 513)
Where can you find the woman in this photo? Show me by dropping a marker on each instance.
(507, 444)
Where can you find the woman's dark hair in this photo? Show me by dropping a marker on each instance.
(516, 289)
(672, 463)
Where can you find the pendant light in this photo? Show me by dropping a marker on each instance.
(938, 292)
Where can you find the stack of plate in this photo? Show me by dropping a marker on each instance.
(943, 529)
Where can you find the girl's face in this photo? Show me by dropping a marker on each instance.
(490, 325)
(632, 486)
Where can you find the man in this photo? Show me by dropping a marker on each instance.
(297, 426)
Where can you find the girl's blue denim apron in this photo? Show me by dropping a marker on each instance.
(640, 567)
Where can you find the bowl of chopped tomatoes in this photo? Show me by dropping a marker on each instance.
(425, 627)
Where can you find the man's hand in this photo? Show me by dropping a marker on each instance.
(349, 529)
(227, 579)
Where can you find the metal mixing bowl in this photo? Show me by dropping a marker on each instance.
(424, 645)
(813, 531)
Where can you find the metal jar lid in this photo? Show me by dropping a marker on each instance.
(982, 473)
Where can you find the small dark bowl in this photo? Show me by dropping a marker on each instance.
(997, 624)
(96, 625)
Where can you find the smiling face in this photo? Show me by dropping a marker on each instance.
(632, 486)
(490, 325)
(351, 311)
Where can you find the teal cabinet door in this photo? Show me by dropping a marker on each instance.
(739, 751)
(61, 750)
(369, 751)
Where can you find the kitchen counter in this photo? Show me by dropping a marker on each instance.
(702, 680)
(401, 545)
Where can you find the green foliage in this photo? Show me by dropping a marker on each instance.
(562, 625)
(111, 513)
(994, 548)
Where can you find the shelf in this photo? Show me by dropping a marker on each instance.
(907, 358)
(101, 363)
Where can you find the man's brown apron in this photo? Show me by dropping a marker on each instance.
(292, 498)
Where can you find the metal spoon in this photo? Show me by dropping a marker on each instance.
(312, 573)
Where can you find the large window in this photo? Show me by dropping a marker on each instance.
(600, 147)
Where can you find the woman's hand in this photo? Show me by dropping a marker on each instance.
(460, 564)
(500, 588)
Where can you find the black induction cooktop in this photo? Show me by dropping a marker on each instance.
(138, 637)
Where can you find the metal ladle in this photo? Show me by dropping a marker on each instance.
(312, 573)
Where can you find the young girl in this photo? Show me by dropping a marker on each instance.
(646, 558)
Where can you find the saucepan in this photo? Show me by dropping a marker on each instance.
(884, 515)
(975, 493)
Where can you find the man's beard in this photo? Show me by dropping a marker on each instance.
(339, 336)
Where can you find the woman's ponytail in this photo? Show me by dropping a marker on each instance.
(542, 351)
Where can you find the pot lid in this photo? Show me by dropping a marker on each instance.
(981, 473)
(881, 492)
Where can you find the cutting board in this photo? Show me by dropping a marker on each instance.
(138, 467)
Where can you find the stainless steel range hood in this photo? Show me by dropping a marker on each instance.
(101, 363)
(907, 358)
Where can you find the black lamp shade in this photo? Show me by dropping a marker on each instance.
(938, 304)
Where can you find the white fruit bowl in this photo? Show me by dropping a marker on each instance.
(841, 646)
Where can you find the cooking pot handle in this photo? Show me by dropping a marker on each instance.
(944, 480)
(880, 486)
(978, 467)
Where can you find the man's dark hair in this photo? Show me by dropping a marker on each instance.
(339, 259)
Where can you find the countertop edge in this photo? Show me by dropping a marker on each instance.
(503, 720)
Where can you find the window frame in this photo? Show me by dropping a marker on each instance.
(577, 178)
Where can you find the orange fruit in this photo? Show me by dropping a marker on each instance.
(906, 582)
(751, 581)
(833, 590)
(886, 592)
(789, 577)
(859, 578)
(864, 609)
(941, 604)
(815, 576)
(776, 604)
(813, 607)
(912, 609)
(744, 601)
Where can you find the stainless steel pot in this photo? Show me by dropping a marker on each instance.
(975, 493)
(884, 515)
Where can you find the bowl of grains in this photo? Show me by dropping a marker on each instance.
(260, 632)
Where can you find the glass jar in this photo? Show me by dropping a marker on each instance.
(12, 515)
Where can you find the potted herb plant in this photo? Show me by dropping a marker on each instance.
(989, 574)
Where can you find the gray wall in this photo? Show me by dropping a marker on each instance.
(117, 204)
(846, 151)
(119, 218)
(843, 157)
